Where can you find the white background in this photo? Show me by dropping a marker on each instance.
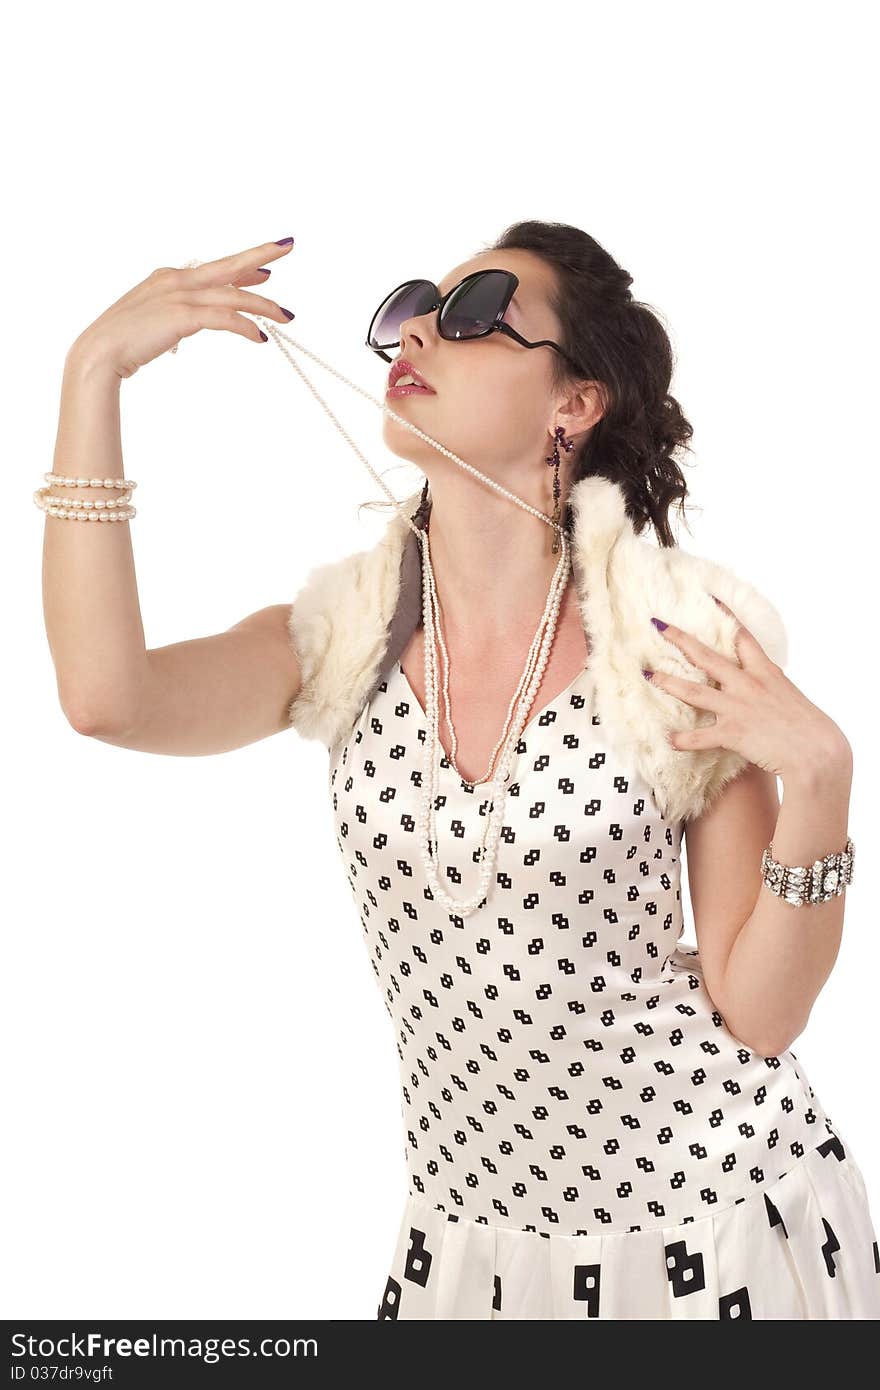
(199, 1076)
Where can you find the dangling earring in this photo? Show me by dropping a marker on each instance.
(559, 437)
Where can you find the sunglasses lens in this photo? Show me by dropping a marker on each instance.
(412, 299)
(474, 306)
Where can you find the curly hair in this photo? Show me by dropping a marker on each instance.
(622, 344)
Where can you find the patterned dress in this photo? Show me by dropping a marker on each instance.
(585, 1137)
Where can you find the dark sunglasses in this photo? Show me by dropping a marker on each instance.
(472, 309)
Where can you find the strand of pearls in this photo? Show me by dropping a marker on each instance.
(523, 680)
(85, 508)
(538, 656)
(62, 480)
(278, 334)
(529, 683)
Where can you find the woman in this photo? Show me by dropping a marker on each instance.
(599, 1122)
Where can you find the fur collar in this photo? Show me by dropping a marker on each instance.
(352, 619)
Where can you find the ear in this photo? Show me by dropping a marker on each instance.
(582, 408)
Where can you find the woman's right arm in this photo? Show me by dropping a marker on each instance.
(207, 695)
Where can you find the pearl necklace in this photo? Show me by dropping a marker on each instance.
(438, 632)
(536, 663)
(529, 682)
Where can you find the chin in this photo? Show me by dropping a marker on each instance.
(406, 445)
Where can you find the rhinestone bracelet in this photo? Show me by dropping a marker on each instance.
(813, 883)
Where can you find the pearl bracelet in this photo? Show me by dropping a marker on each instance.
(86, 508)
(813, 883)
(64, 481)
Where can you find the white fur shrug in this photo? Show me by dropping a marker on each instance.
(352, 619)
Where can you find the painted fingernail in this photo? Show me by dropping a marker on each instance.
(285, 241)
(264, 336)
(647, 674)
(264, 270)
(658, 622)
(288, 312)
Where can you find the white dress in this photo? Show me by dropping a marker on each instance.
(585, 1137)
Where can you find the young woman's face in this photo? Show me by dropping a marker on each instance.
(493, 404)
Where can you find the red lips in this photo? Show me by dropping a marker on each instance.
(403, 368)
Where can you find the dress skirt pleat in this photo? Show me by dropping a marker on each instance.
(803, 1247)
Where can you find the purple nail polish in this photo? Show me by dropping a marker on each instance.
(288, 312)
(647, 674)
(658, 622)
(264, 336)
(285, 241)
(264, 270)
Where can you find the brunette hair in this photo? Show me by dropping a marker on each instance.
(622, 344)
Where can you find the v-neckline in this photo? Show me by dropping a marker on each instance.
(533, 719)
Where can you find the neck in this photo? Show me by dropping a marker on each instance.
(493, 563)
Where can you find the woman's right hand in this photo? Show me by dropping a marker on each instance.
(172, 304)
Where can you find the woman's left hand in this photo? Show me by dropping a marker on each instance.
(759, 712)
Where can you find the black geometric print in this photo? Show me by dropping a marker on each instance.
(563, 1067)
(586, 1287)
(832, 1145)
(773, 1215)
(390, 1305)
(735, 1305)
(686, 1273)
(418, 1260)
(830, 1248)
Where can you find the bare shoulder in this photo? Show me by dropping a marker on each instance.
(272, 622)
(270, 628)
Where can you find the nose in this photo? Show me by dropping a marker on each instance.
(417, 328)
(407, 337)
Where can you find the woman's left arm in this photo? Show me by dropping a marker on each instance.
(764, 960)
